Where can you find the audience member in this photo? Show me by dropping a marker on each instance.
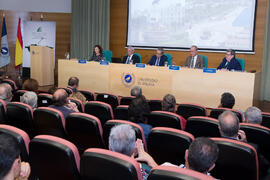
(168, 103)
(73, 83)
(29, 98)
(253, 115)
(137, 112)
(136, 91)
(6, 92)
(61, 103)
(227, 100)
(122, 139)
(30, 85)
(2, 75)
(11, 167)
(52, 89)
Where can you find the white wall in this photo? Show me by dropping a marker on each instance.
(62, 6)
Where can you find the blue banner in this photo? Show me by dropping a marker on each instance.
(5, 57)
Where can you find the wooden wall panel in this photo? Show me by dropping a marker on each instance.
(63, 32)
(118, 29)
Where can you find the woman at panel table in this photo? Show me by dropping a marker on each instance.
(97, 54)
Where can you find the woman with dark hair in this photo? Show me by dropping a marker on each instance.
(168, 103)
(30, 85)
(137, 112)
(97, 54)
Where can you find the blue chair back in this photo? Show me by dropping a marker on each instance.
(108, 55)
(242, 63)
(169, 56)
(205, 58)
(139, 56)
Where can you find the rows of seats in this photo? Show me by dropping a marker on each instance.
(62, 159)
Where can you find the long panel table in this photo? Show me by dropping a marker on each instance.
(187, 85)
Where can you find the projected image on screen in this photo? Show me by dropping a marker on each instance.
(209, 24)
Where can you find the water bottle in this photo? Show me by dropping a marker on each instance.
(166, 63)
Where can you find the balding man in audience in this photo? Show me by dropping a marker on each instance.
(6, 92)
(122, 139)
(229, 127)
(253, 115)
(136, 91)
(11, 167)
(61, 103)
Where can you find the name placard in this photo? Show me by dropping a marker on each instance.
(174, 68)
(104, 63)
(209, 70)
(140, 65)
(82, 61)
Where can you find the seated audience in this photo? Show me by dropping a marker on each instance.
(122, 139)
(137, 112)
(230, 62)
(30, 85)
(194, 60)
(131, 57)
(159, 59)
(2, 75)
(61, 103)
(29, 98)
(97, 54)
(168, 103)
(11, 167)
(253, 115)
(73, 83)
(52, 89)
(6, 92)
(136, 91)
(227, 100)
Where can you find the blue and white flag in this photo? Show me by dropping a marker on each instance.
(4, 55)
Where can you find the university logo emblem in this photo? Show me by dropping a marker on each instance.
(128, 79)
(4, 51)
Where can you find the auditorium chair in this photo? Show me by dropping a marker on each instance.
(111, 123)
(187, 110)
(110, 99)
(54, 158)
(168, 145)
(101, 110)
(3, 110)
(201, 126)
(85, 131)
(45, 100)
(266, 119)
(176, 173)
(21, 137)
(236, 160)
(217, 111)
(101, 164)
(258, 135)
(205, 59)
(89, 95)
(17, 95)
(50, 121)
(11, 83)
(78, 103)
(155, 104)
(169, 57)
(67, 89)
(126, 100)
(166, 119)
(242, 63)
(108, 55)
(121, 112)
(20, 115)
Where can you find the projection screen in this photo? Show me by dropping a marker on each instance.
(212, 25)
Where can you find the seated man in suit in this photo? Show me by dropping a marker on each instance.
(131, 57)
(194, 60)
(158, 59)
(230, 62)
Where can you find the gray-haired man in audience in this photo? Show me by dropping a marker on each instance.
(29, 98)
(253, 115)
(6, 92)
(136, 91)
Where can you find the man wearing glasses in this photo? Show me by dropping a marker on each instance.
(230, 63)
(159, 59)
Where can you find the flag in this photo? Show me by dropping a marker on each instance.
(4, 58)
(19, 46)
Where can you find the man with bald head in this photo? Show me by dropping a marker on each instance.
(61, 103)
(6, 92)
(229, 127)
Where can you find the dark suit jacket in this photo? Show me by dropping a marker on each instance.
(135, 58)
(233, 65)
(199, 62)
(163, 58)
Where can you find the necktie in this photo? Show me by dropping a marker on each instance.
(157, 62)
(226, 65)
(128, 60)
(192, 62)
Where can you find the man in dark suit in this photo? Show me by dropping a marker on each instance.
(159, 59)
(194, 60)
(230, 62)
(131, 57)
